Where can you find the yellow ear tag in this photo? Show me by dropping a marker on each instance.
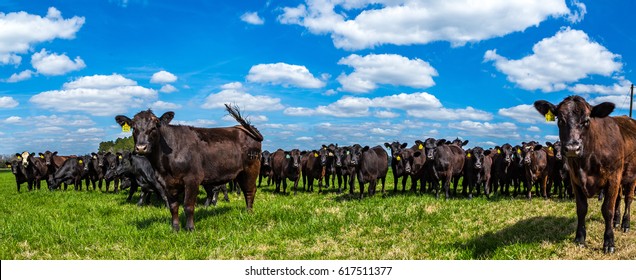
(315, 154)
(80, 161)
(41, 156)
(550, 148)
(330, 154)
(125, 128)
(549, 117)
(498, 151)
(518, 151)
(468, 155)
(120, 157)
(19, 157)
(420, 147)
(398, 158)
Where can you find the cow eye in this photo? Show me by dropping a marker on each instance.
(586, 122)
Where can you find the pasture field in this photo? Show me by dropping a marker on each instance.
(69, 224)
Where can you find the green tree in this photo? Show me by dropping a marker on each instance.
(119, 145)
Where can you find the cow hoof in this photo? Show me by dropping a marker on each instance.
(625, 229)
(609, 250)
(175, 228)
(616, 225)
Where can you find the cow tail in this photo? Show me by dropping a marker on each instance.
(250, 129)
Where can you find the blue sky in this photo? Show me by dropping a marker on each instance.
(307, 72)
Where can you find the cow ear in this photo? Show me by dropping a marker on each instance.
(41, 154)
(303, 153)
(486, 152)
(417, 154)
(465, 143)
(548, 143)
(55, 153)
(538, 147)
(366, 148)
(602, 110)
(403, 145)
(387, 145)
(121, 120)
(167, 117)
(543, 107)
(440, 142)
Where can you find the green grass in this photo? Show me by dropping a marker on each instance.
(94, 225)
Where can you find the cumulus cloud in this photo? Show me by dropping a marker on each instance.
(163, 77)
(360, 24)
(567, 57)
(621, 86)
(196, 123)
(17, 77)
(496, 130)
(284, 74)
(162, 105)
(8, 102)
(420, 105)
(252, 18)
(386, 114)
(234, 93)
(523, 113)
(98, 95)
(621, 101)
(21, 31)
(52, 64)
(392, 69)
(168, 89)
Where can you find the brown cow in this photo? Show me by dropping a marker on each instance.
(285, 165)
(185, 157)
(601, 157)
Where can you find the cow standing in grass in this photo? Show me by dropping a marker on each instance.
(397, 167)
(371, 165)
(20, 170)
(185, 157)
(286, 165)
(600, 153)
(266, 168)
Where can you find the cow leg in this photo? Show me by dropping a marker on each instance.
(189, 201)
(284, 185)
(132, 190)
(173, 204)
(544, 187)
(247, 182)
(260, 178)
(629, 197)
(607, 210)
(617, 211)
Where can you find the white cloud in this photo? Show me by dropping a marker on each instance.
(234, 93)
(252, 18)
(8, 102)
(299, 111)
(534, 129)
(90, 131)
(386, 114)
(52, 64)
(522, 113)
(51, 121)
(196, 123)
(305, 139)
(168, 89)
(620, 87)
(621, 101)
(360, 24)
(17, 77)
(162, 105)
(451, 114)
(163, 77)
(552, 138)
(565, 58)
(12, 120)
(98, 95)
(21, 31)
(284, 74)
(392, 69)
(496, 130)
(576, 16)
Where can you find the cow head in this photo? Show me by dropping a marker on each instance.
(556, 148)
(355, 154)
(574, 116)
(48, 157)
(294, 157)
(429, 146)
(323, 154)
(395, 148)
(406, 160)
(339, 156)
(459, 142)
(265, 159)
(505, 151)
(145, 129)
(528, 150)
(15, 165)
(478, 154)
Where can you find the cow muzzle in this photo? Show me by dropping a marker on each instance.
(573, 149)
(141, 149)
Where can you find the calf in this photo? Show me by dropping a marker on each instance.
(558, 174)
(186, 157)
(139, 173)
(477, 167)
(503, 168)
(69, 173)
(397, 167)
(448, 163)
(314, 167)
(342, 170)
(412, 162)
(371, 165)
(266, 168)
(600, 155)
(536, 168)
(286, 165)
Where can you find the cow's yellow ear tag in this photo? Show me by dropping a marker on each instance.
(120, 157)
(498, 151)
(468, 155)
(518, 151)
(315, 154)
(80, 161)
(398, 158)
(41, 156)
(19, 157)
(125, 128)
(549, 117)
(420, 146)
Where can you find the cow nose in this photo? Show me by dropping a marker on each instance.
(572, 149)
(478, 165)
(338, 164)
(508, 159)
(141, 148)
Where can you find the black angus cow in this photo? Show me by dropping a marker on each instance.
(186, 157)
(342, 170)
(330, 165)
(21, 172)
(100, 165)
(516, 171)
(53, 163)
(536, 165)
(266, 168)
(286, 165)
(69, 173)
(600, 152)
(477, 166)
(412, 162)
(112, 161)
(372, 164)
(448, 163)
(349, 168)
(137, 172)
(397, 167)
(38, 169)
(503, 165)
(428, 174)
(315, 163)
(558, 177)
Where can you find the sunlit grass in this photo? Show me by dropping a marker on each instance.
(95, 225)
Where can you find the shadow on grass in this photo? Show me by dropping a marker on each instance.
(534, 230)
(200, 213)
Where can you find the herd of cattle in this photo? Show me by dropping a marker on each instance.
(596, 156)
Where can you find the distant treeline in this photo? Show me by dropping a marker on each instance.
(120, 144)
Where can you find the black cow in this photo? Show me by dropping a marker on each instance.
(186, 157)
(448, 163)
(412, 161)
(397, 167)
(138, 173)
(342, 170)
(600, 152)
(21, 171)
(477, 166)
(536, 165)
(266, 168)
(286, 165)
(39, 169)
(558, 174)
(371, 165)
(70, 172)
(330, 165)
(503, 165)
(313, 168)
